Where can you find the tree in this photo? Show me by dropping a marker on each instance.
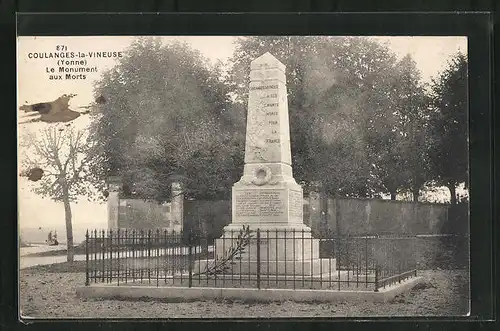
(340, 99)
(376, 77)
(412, 127)
(167, 114)
(65, 156)
(449, 145)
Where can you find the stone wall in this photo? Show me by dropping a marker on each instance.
(360, 216)
(143, 214)
(343, 216)
(126, 213)
(355, 216)
(207, 217)
(435, 248)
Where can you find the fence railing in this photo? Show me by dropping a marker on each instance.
(249, 259)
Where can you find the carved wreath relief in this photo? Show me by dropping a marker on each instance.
(261, 175)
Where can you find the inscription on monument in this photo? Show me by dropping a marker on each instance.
(264, 87)
(263, 241)
(259, 203)
(247, 203)
(295, 204)
(265, 141)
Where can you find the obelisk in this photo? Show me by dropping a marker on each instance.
(267, 196)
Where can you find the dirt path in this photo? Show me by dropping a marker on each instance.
(51, 295)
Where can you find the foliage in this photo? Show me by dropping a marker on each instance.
(409, 153)
(361, 121)
(65, 156)
(343, 106)
(449, 144)
(167, 113)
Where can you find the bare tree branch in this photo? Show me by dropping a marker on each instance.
(62, 155)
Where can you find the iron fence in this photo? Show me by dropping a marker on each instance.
(249, 259)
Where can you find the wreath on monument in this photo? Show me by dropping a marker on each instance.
(261, 175)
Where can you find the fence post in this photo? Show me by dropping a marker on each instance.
(111, 250)
(103, 276)
(376, 276)
(190, 258)
(87, 280)
(94, 249)
(414, 255)
(399, 271)
(148, 246)
(366, 259)
(118, 247)
(258, 258)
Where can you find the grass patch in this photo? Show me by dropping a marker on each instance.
(423, 286)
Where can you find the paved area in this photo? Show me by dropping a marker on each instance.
(40, 249)
(30, 261)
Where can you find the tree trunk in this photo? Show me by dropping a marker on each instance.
(393, 195)
(69, 226)
(453, 193)
(323, 203)
(415, 193)
(338, 216)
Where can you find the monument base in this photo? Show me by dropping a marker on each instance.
(272, 246)
(272, 228)
(275, 201)
(286, 253)
(315, 268)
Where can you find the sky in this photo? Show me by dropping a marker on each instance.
(34, 85)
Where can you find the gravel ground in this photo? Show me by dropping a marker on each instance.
(49, 293)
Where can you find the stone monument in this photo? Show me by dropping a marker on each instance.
(267, 197)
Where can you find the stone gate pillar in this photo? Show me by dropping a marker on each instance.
(114, 187)
(177, 206)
